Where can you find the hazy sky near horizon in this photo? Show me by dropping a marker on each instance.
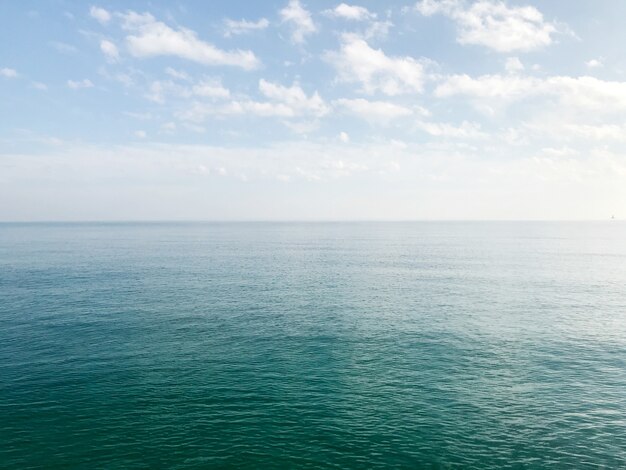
(436, 109)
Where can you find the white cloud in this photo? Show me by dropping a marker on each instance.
(198, 112)
(397, 174)
(600, 132)
(250, 107)
(399, 144)
(8, 73)
(585, 92)
(344, 137)
(139, 116)
(351, 12)
(296, 160)
(63, 47)
(124, 79)
(140, 134)
(100, 14)
(594, 63)
(357, 62)
(588, 93)
(127, 78)
(302, 127)
(300, 20)
(178, 74)
(558, 152)
(75, 84)
(466, 130)
(513, 65)
(493, 24)
(378, 29)
(39, 86)
(506, 88)
(355, 13)
(233, 27)
(109, 50)
(373, 111)
(152, 38)
(284, 102)
(159, 89)
(211, 88)
(295, 98)
(194, 128)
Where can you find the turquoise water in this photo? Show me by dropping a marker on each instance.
(363, 345)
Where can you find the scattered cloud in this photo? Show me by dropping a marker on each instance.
(466, 130)
(75, 84)
(150, 38)
(123, 78)
(234, 28)
(493, 24)
(299, 19)
(301, 121)
(139, 116)
(303, 127)
(350, 12)
(8, 73)
(158, 90)
(178, 74)
(594, 63)
(211, 88)
(584, 92)
(513, 65)
(63, 47)
(294, 97)
(100, 14)
(373, 111)
(598, 132)
(357, 62)
(194, 127)
(109, 50)
(548, 182)
(39, 86)
(168, 127)
(501, 88)
(588, 93)
(359, 14)
(377, 29)
(558, 152)
(282, 101)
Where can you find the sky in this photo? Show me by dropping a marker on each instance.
(294, 110)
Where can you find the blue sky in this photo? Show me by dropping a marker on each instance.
(239, 110)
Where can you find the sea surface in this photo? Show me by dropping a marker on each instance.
(313, 345)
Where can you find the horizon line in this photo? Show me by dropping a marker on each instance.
(225, 221)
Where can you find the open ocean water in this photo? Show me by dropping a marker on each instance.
(313, 345)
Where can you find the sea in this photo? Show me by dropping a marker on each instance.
(313, 345)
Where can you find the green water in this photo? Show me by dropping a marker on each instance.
(364, 345)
